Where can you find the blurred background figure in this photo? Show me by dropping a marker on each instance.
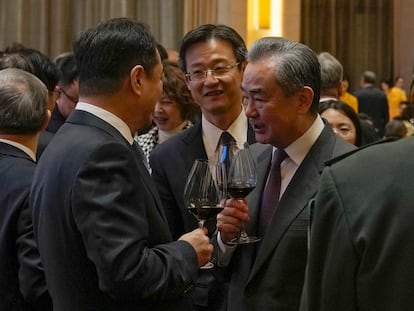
(23, 114)
(173, 57)
(68, 90)
(347, 97)
(395, 129)
(407, 116)
(172, 113)
(395, 95)
(372, 101)
(343, 120)
(42, 67)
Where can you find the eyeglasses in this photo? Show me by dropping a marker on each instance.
(73, 100)
(201, 75)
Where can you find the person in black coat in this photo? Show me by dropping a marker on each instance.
(102, 233)
(361, 255)
(23, 114)
(373, 102)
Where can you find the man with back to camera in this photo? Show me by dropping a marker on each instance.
(23, 114)
(361, 255)
(372, 101)
(101, 229)
(281, 87)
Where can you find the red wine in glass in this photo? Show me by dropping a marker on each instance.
(205, 192)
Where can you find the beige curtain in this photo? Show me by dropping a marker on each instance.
(358, 32)
(52, 25)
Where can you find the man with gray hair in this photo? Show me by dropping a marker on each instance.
(372, 101)
(331, 77)
(23, 114)
(281, 88)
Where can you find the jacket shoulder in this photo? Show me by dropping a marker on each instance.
(356, 150)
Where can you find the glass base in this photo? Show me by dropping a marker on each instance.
(208, 265)
(244, 240)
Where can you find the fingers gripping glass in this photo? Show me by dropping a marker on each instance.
(205, 192)
(241, 179)
(201, 75)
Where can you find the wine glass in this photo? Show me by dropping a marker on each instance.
(241, 179)
(205, 192)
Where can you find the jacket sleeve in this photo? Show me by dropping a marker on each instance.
(115, 213)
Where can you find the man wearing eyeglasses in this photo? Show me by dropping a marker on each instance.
(213, 58)
(67, 89)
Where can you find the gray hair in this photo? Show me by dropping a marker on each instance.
(295, 65)
(331, 71)
(369, 77)
(23, 102)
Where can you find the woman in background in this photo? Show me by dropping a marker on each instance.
(343, 120)
(173, 113)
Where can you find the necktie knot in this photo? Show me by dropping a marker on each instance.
(279, 155)
(226, 138)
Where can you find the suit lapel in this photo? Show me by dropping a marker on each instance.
(193, 146)
(300, 190)
(86, 118)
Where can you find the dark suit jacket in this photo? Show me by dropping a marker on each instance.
(171, 163)
(102, 233)
(374, 103)
(22, 280)
(362, 235)
(269, 275)
(56, 120)
(44, 139)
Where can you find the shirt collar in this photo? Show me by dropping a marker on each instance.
(211, 133)
(23, 148)
(298, 150)
(108, 117)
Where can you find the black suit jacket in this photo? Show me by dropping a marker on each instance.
(101, 230)
(22, 280)
(374, 103)
(362, 235)
(269, 275)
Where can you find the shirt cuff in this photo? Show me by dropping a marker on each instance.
(225, 251)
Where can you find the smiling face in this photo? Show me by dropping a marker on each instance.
(274, 116)
(214, 95)
(167, 114)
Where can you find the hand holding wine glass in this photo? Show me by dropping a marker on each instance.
(205, 192)
(241, 179)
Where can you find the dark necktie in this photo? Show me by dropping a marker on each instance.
(271, 193)
(141, 155)
(225, 153)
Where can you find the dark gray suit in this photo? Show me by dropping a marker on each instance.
(373, 102)
(22, 280)
(362, 235)
(269, 275)
(102, 233)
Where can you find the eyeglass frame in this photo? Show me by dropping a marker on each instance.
(204, 73)
(73, 100)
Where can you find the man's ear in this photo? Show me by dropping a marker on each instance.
(136, 74)
(47, 119)
(306, 97)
